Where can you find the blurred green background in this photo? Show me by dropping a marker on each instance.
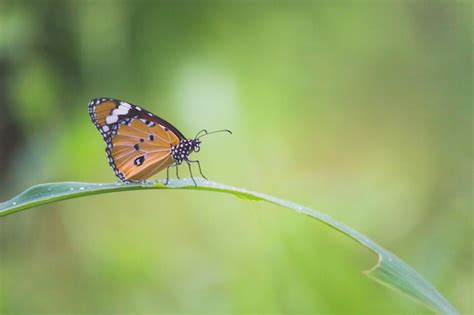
(360, 109)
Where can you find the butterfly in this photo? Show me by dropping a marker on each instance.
(139, 143)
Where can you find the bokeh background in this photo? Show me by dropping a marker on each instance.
(360, 109)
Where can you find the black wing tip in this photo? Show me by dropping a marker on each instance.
(98, 100)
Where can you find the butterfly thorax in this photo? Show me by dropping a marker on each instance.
(182, 151)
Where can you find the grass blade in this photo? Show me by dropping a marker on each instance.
(390, 270)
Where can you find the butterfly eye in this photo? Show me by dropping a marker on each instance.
(197, 148)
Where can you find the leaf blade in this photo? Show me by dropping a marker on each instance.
(390, 270)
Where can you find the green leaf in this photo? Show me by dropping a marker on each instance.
(390, 270)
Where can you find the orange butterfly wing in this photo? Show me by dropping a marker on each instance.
(138, 151)
(138, 142)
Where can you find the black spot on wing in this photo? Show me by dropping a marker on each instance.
(139, 160)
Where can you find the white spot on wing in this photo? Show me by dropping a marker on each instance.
(105, 128)
(125, 104)
(120, 111)
(111, 119)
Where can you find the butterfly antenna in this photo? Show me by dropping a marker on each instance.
(199, 133)
(206, 133)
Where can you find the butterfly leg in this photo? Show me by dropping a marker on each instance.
(199, 166)
(177, 175)
(167, 175)
(191, 172)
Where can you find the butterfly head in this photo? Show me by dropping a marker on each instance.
(195, 144)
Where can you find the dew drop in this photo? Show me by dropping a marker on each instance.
(14, 203)
(71, 188)
(81, 188)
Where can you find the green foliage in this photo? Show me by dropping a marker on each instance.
(366, 105)
(390, 270)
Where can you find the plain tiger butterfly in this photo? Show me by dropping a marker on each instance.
(139, 143)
